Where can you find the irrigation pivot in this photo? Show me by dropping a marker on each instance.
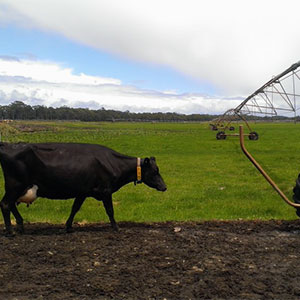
(278, 96)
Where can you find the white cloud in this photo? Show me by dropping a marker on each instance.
(49, 84)
(235, 45)
(47, 71)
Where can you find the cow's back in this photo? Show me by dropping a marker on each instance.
(62, 170)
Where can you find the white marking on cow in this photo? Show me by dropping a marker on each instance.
(30, 195)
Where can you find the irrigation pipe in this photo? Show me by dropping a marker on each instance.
(261, 170)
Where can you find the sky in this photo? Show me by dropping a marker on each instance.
(191, 56)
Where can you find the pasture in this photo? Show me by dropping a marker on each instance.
(207, 179)
(218, 232)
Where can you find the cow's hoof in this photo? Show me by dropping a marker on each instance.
(69, 230)
(20, 229)
(9, 234)
(116, 228)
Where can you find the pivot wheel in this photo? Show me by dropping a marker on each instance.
(221, 135)
(231, 128)
(253, 136)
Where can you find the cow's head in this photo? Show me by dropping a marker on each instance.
(151, 176)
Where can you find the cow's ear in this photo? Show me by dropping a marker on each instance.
(146, 161)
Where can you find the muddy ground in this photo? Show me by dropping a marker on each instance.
(210, 260)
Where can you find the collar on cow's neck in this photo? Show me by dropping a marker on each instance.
(138, 171)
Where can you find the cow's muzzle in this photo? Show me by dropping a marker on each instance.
(161, 188)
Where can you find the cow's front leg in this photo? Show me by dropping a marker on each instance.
(107, 201)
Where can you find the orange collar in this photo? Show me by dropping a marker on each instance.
(138, 171)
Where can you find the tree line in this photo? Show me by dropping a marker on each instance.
(18, 110)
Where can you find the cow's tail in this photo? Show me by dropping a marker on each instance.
(2, 149)
(296, 195)
(2, 146)
(2, 153)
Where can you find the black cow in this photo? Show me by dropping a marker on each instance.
(68, 170)
(296, 195)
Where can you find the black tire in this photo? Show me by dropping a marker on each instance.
(231, 128)
(253, 136)
(221, 135)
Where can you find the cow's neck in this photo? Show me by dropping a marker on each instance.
(128, 172)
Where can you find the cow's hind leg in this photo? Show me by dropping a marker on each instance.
(8, 205)
(19, 219)
(6, 216)
(110, 211)
(75, 208)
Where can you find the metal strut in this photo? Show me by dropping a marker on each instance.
(261, 170)
(279, 94)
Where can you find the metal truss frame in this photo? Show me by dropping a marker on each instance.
(278, 96)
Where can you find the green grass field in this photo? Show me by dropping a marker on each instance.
(206, 178)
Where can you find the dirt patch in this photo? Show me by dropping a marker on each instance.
(30, 128)
(210, 260)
